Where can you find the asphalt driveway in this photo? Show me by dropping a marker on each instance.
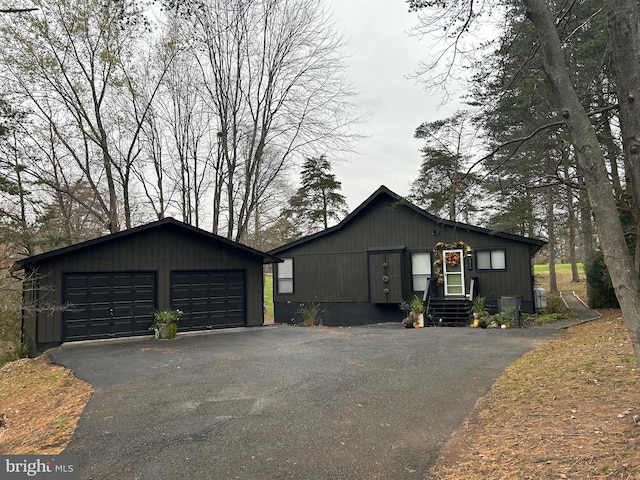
(282, 402)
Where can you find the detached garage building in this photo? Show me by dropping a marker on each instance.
(110, 286)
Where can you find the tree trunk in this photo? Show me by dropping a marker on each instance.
(573, 259)
(586, 227)
(571, 220)
(623, 27)
(551, 242)
(611, 148)
(114, 223)
(591, 159)
(586, 224)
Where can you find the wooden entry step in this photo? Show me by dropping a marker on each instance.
(449, 312)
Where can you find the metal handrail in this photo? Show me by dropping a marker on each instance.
(426, 297)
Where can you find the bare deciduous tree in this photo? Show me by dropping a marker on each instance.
(179, 170)
(121, 131)
(74, 65)
(273, 74)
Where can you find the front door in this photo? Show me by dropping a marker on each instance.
(453, 262)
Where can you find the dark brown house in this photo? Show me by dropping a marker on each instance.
(388, 250)
(110, 286)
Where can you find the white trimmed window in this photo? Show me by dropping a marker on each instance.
(420, 270)
(285, 276)
(491, 260)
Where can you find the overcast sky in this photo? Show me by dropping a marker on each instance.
(382, 55)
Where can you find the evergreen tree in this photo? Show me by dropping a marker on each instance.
(445, 186)
(525, 180)
(318, 201)
(561, 30)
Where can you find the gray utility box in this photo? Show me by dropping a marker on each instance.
(540, 297)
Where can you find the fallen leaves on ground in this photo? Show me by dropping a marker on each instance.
(40, 405)
(565, 410)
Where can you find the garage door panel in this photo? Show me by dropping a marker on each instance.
(77, 282)
(75, 298)
(142, 296)
(76, 330)
(212, 299)
(100, 311)
(75, 313)
(121, 325)
(122, 311)
(219, 291)
(108, 304)
(217, 319)
(140, 309)
(124, 280)
(100, 328)
(99, 297)
(98, 281)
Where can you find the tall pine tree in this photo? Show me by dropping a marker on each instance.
(318, 202)
(445, 185)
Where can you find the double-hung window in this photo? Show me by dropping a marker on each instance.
(491, 259)
(420, 270)
(285, 276)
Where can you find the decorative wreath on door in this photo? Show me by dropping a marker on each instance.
(452, 259)
(449, 258)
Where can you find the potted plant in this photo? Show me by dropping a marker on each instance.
(405, 306)
(479, 310)
(165, 323)
(417, 312)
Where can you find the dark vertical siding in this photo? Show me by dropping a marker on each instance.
(49, 298)
(160, 250)
(334, 268)
(29, 311)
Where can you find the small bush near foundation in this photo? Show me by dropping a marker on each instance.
(310, 314)
(555, 304)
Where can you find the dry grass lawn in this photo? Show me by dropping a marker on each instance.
(567, 410)
(40, 406)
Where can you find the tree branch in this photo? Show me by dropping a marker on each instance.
(521, 140)
(17, 10)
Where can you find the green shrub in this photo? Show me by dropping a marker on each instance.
(549, 318)
(310, 314)
(405, 306)
(599, 286)
(555, 304)
(172, 330)
(507, 317)
(11, 347)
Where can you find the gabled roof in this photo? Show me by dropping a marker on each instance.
(402, 201)
(164, 223)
